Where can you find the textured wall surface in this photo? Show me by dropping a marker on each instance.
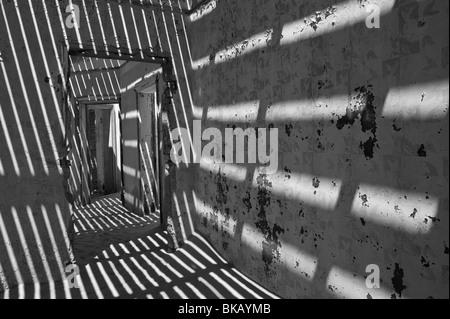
(34, 209)
(363, 143)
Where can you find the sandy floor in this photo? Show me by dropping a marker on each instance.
(122, 255)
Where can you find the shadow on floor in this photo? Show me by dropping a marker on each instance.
(122, 255)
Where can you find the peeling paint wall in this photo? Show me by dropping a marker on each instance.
(362, 116)
(34, 194)
(363, 144)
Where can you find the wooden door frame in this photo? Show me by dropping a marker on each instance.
(153, 82)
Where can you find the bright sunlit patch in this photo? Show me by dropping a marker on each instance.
(156, 269)
(224, 284)
(234, 172)
(2, 169)
(167, 265)
(144, 272)
(195, 291)
(425, 101)
(330, 20)
(132, 275)
(396, 209)
(180, 292)
(178, 261)
(120, 278)
(12, 152)
(246, 112)
(345, 285)
(321, 192)
(211, 288)
(252, 44)
(108, 281)
(204, 11)
(94, 282)
(321, 108)
(4, 282)
(131, 171)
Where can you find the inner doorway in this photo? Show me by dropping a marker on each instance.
(104, 142)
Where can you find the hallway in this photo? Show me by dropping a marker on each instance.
(122, 255)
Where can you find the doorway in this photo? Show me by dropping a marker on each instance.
(104, 143)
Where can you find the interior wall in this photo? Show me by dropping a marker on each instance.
(34, 206)
(311, 229)
(362, 116)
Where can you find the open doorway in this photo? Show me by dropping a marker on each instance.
(104, 143)
(119, 142)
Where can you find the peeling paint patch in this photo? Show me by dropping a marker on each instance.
(272, 243)
(425, 263)
(363, 108)
(396, 128)
(247, 202)
(319, 16)
(316, 182)
(365, 200)
(422, 152)
(289, 129)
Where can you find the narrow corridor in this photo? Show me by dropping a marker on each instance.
(123, 255)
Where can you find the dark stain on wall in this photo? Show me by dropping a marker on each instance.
(422, 152)
(365, 200)
(288, 172)
(396, 128)
(248, 202)
(397, 280)
(425, 263)
(271, 244)
(289, 129)
(316, 182)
